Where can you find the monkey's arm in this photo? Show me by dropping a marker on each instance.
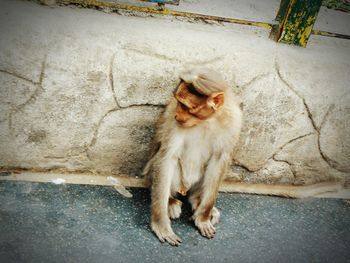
(161, 184)
(214, 174)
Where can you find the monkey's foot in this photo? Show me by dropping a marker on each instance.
(166, 234)
(206, 228)
(215, 216)
(174, 208)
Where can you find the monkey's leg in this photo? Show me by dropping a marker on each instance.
(206, 215)
(160, 221)
(195, 200)
(174, 208)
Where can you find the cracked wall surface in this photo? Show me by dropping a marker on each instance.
(78, 95)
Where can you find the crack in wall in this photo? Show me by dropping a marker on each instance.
(329, 110)
(150, 53)
(117, 107)
(310, 117)
(334, 163)
(38, 90)
(290, 141)
(111, 83)
(111, 80)
(290, 166)
(145, 105)
(250, 82)
(31, 99)
(244, 86)
(286, 161)
(242, 166)
(331, 163)
(42, 72)
(96, 129)
(273, 157)
(18, 76)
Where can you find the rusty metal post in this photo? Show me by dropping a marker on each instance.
(296, 19)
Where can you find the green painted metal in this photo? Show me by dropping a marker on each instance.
(340, 5)
(282, 10)
(296, 19)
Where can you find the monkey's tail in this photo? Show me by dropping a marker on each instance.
(146, 171)
(282, 190)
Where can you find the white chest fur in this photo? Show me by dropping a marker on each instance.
(192, 148)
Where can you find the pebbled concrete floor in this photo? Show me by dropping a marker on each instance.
(77, 223)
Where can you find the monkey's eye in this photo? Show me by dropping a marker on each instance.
(183, 106)
(193, 110)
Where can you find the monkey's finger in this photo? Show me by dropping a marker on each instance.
(208, 233)
(202, 232)
(173, 243)
(212, 231)
(173, 240)
(160, 236)
(175, 237)
(161, 239)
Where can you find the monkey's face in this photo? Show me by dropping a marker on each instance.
(193, 107)
(184, 118)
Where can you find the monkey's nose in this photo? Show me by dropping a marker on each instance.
(179, 119)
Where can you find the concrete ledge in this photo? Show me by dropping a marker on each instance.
(86, 96)
(322, 190)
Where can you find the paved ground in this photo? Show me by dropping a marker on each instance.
(75, 223)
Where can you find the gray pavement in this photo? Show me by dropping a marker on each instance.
(77, 223)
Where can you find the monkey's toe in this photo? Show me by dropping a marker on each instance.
(174, 208)
(165, 234)
(173, 240)
(206, 228)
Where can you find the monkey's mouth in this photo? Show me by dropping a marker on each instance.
(185, 124)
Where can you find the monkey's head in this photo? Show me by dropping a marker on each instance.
(199, 95)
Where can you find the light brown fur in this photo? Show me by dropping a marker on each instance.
(192, 152)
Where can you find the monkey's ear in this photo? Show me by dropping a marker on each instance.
(216, 100)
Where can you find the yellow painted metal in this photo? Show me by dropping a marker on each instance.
(162, 11)
(329, 34)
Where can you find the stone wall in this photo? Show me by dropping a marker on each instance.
(81, 91)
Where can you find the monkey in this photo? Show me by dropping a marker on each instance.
(194, 140)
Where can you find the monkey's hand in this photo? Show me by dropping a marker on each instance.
(165, 233)
(205, 227)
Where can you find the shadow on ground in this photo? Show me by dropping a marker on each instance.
(76, 223)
